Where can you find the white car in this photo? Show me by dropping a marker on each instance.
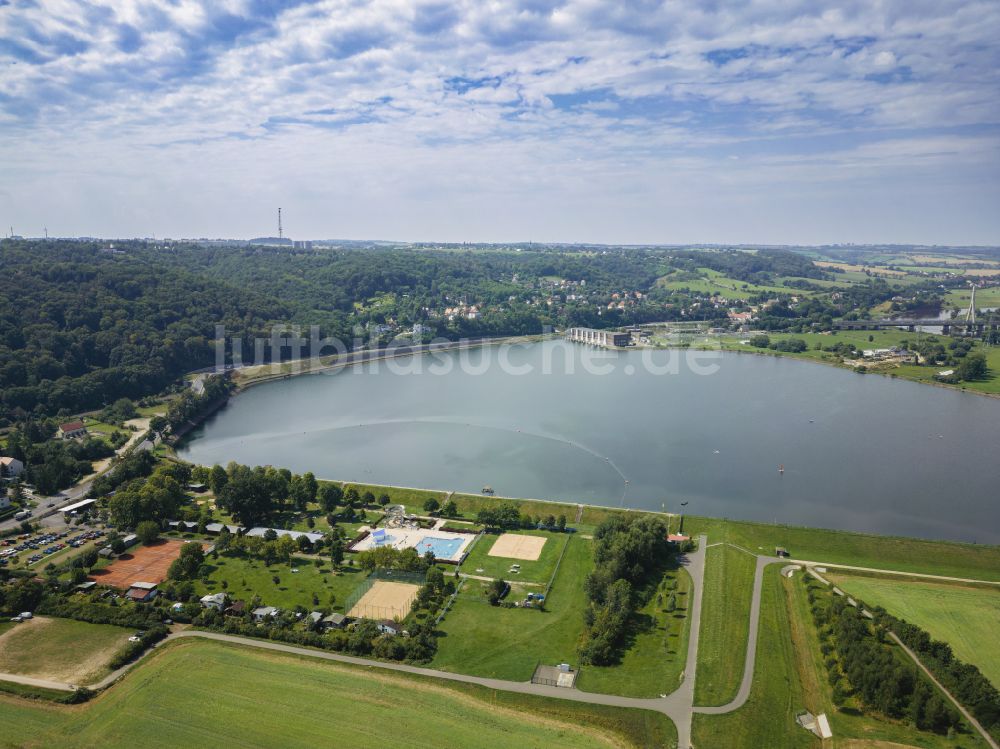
(16, 619)
(26, 615)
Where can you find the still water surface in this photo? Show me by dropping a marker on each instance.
(860, 452)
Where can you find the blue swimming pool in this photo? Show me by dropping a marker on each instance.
(443, 548)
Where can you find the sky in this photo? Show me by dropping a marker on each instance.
(627, 121)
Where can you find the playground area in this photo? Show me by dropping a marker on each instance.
(384, 600)
(446, 546)
(518, 546)
(147, 564)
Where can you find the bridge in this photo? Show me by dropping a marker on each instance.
(969, 326)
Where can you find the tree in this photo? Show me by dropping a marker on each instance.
(148, 531)
(432, 505)
(117, 545)
(972, 367)
(218, 478)
(336, 552)
(329, 497)
(383, 499)
(760, 341)
(450, 509)
(561, 523)
(187, 565)
(671, 603)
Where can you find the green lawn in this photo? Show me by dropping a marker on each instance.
(60, 649)
(964, 617)
(849, 724)
(657, 648)
(975, 561)
(275, 700)
(245, 578)
(486, 640)
(413, 499)
(725, 621)
(538, 571)
(768, 717)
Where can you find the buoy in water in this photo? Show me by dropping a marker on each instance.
(781, 468)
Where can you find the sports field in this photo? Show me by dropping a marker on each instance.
(385, 600)
(484, 562)
(61, 650)
(517, 546)
(284, 701)
(148, 564)
(966, 618)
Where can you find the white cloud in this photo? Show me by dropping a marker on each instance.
(590, 99)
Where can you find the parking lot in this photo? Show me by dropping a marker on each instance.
(43, 545)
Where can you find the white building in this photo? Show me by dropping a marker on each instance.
(10, 468)
(215, 601)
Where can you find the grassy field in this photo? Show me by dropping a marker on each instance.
(724, 624)
(964, 617)
(844, 547)
(60, 649)
(244, 578)
(848, 726)
(880, 339)
(479, 561)
(657, 648)
(508, 643)
(768, 717)
(285, 701)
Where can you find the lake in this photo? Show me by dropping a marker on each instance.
(860, 452)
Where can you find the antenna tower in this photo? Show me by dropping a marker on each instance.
(280, 235)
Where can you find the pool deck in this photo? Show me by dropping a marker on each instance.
(411, 538)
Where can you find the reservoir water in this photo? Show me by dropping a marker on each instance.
(859, 452)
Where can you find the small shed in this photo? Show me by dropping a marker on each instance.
(334, 621)
(781, 551)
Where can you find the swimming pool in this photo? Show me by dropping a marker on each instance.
(443, 548)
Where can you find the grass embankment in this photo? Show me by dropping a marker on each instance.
(973, 561)
(725, 622)
(504, 643)
(287, 701)
(656, 651)
(851, 728)
(789, 677)
(768, 717)
(964, 617)
(242, 578)
(60, 649)
(479, 561)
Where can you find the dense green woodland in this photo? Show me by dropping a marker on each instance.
(82, 324)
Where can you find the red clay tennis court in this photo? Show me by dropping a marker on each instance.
(147, 564)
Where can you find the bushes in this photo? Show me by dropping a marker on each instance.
(98, 613)
(133, 650)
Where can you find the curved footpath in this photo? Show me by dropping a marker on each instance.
(678, 706)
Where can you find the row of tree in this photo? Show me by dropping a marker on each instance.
(628, 552)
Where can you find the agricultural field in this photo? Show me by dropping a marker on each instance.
(486, 640)
(286, 701)
(480, 562)
(725, 621)
(964, 617)
(242, 578)
(61, 650)
(657, 647)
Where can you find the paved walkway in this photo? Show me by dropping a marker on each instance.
(921, 575)
(743, 694)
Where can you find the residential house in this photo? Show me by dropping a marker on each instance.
(334, 621)
(141, 592)
(71, 430)
(264, 613)
(388, 627)
(10, 468)
(215, 601)
(237, 608)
